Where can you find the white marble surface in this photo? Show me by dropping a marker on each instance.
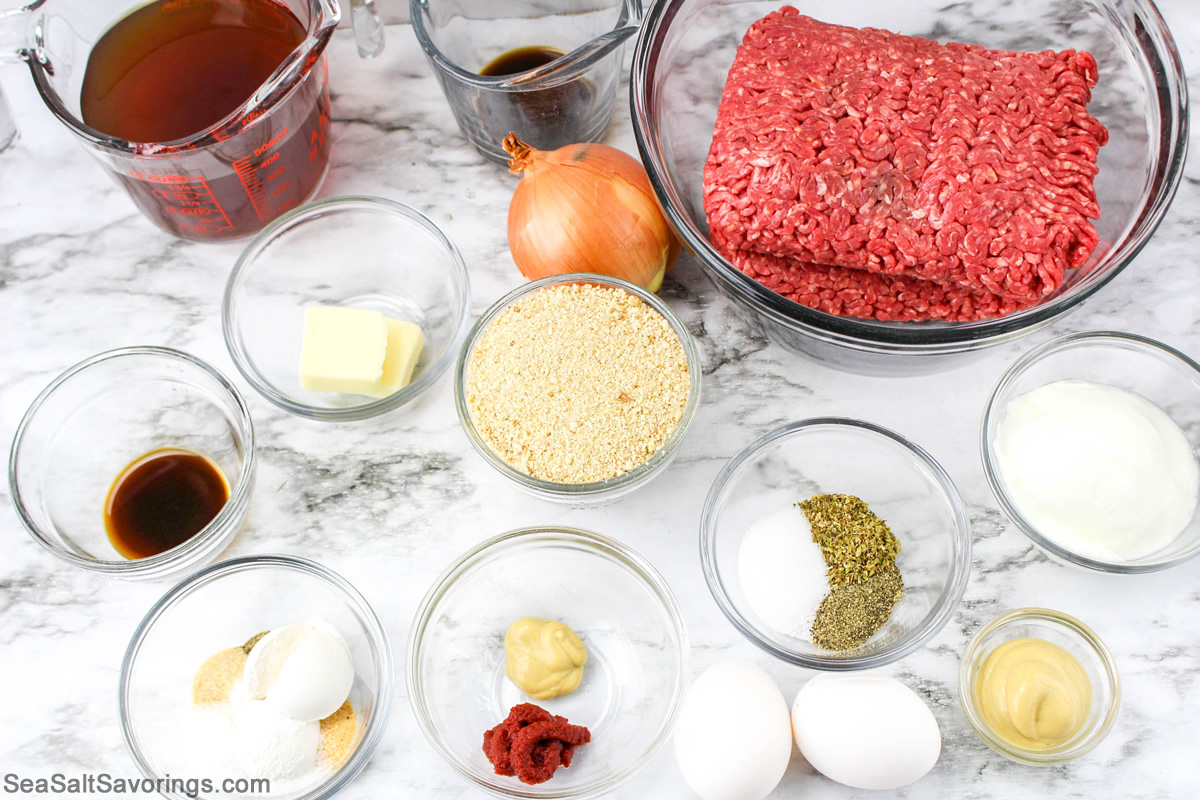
(390, 503)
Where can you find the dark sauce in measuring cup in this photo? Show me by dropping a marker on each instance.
(522, 59)
(544, 118)
(161, 500)
(172, 69)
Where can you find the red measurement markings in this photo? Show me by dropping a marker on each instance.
(249, 171)
(187, 196)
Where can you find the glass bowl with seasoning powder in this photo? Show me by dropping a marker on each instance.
(1090, 445)
(625, 616)
(835, 544)
(578, 388)
(1038, 686)
(136, 463)
(187, 691)
(313, 308)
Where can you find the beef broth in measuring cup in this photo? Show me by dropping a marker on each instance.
(212, 114)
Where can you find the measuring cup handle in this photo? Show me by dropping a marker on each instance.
(14, 32)
(368, 28)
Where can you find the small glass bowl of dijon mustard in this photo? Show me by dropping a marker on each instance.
(1038, 686)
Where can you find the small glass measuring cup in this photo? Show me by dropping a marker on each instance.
(567, 100)
(8, 126)
(224, 182)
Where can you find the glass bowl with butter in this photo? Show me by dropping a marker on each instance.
(597, 604)
(1090, 443)
(1039, 687)
(346, 308)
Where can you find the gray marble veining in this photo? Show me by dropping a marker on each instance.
(390, 502)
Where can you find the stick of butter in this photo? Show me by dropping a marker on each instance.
(344, 350)
(404, 345)
(358, 351)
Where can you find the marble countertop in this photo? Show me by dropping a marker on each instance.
(390, 503)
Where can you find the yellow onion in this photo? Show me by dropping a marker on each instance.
(586, 208)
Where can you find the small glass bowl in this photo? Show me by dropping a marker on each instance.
(98, 417)
(220, 607)
(1160, 374)
(364, 252)
(620, 606)
(898, 480)
(1070, 634)
(598, 492)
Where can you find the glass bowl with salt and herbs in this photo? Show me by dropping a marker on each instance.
(835, 544)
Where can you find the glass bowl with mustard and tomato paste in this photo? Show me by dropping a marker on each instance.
(1039, 687)
(835, 544)
(136, 463)
(578, 388)
(346, 308)
(548, 662)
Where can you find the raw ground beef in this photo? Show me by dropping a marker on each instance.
(870, 174)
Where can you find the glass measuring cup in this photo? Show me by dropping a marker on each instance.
(228, 180)
(567, 100)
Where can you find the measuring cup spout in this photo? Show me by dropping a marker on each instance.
(368, 28)
(14, 32)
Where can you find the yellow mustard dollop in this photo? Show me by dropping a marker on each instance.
(544, 657)
(1033, 694)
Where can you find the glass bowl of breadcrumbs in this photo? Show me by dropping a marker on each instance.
(578, 388)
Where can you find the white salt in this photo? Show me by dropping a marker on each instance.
(782, 572)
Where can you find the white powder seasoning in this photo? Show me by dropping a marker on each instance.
(782, 572)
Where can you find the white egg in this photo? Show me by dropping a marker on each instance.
(734, 738)
(866, 731)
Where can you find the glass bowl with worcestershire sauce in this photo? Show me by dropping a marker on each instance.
(1063, 631)
(899, 482)
(680, 66)
(136, 463)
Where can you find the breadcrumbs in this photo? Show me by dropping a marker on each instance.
(339, 737)
(215, 678)
(577, 383)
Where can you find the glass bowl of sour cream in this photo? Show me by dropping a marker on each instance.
(1090, 445)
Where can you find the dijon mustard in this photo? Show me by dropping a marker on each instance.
(1033, 694)
(544, 657)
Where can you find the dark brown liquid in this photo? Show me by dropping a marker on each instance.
(546, 118)
(520, 60)
(170, 70)
(161, 500)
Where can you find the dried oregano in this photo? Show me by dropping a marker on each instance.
(856, 543)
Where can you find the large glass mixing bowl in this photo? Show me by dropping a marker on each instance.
(679, 69)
